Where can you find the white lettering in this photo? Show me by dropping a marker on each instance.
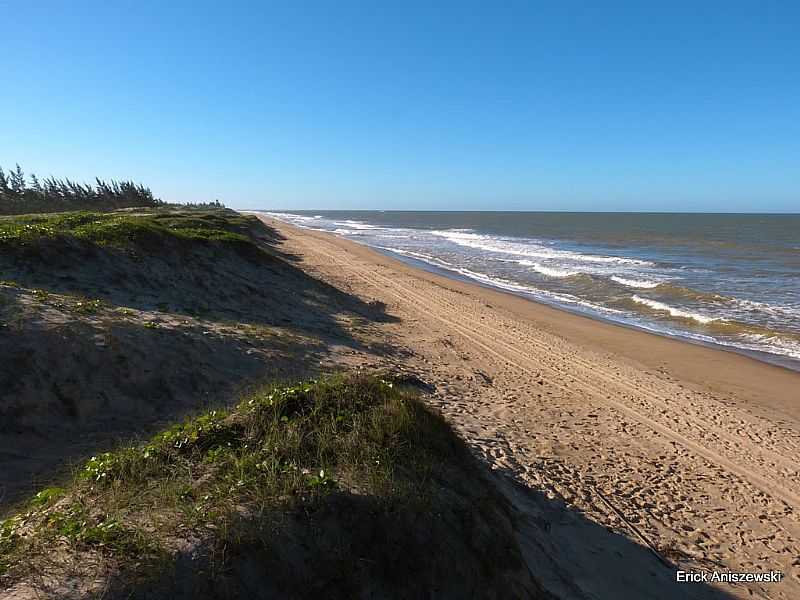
(728, 577)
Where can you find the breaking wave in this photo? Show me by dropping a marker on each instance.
(675, 312)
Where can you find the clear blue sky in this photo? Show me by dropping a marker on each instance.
(430, 105)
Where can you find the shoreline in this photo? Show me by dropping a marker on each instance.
(761, 382)
(761, 357)
(688, 453)
(696, 294)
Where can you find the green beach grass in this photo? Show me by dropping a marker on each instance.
(279, 449)
(121, 228)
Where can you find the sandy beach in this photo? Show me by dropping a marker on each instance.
(636, 455)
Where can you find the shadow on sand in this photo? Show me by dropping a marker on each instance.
(574, 557)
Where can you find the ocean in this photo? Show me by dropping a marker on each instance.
(725, 280)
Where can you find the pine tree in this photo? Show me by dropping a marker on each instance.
(52, 195)
(36, 186)
(17, 181)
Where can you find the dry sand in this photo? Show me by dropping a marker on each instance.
(619, 439)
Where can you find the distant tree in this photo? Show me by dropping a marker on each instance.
(17, 181)
(4, 189)
(35, 185)
(54, 195)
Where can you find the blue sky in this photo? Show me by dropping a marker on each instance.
(404, 105)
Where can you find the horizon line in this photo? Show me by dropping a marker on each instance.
(619, 212)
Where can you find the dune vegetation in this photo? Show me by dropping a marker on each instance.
(121, 229)
(279, 448)
(332, 486)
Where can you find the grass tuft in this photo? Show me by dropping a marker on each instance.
(280, 448)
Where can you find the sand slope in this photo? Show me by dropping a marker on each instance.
(621, 439)
(173, 329)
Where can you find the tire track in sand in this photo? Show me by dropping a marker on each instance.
(530, 367)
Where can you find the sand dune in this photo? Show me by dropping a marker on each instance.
(653, 454)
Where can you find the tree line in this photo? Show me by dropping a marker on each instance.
(19, 195)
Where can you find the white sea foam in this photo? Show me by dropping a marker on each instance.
(636, 283)
(289, 216)
(296, 220)
(419, 255)
(549, 271)
(530, 248)
(352, 224)
(774, 344)
(675, 312)
(776, 310)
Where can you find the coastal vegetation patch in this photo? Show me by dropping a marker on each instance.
(120, 229)
(348, 477)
